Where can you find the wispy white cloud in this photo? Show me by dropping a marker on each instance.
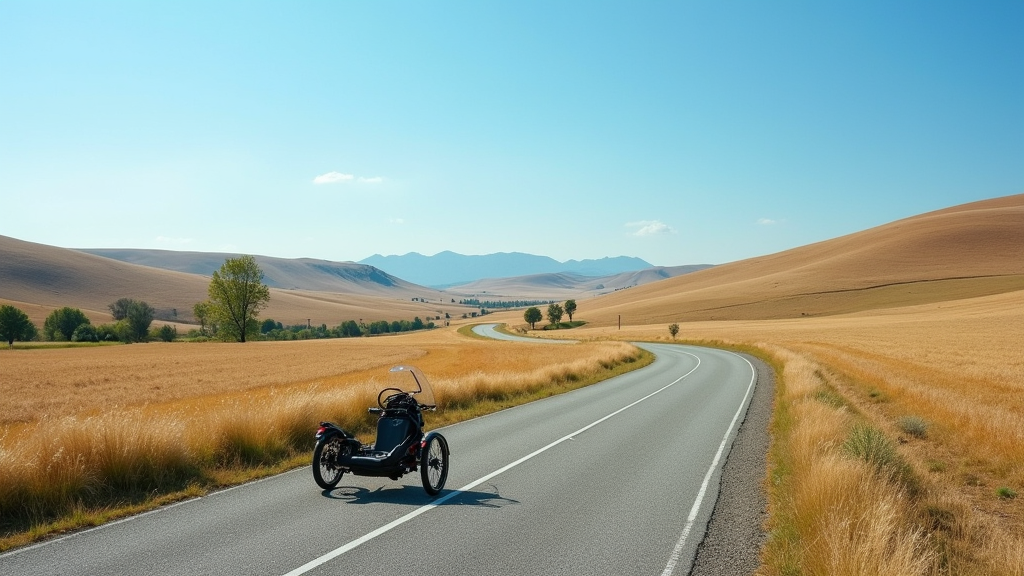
(332, 178)
(339, 177)
(397, 221)
(650, 228)
(767, 221)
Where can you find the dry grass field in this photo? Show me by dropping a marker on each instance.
(956, 367)
(87, 429)
(920, 356)
(897, 439)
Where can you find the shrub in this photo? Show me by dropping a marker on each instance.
(85, 333)
(167, 333)
(1006, 493)
(914, 426)
(871, 445)
(107, 333)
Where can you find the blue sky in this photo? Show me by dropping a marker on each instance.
(678, 132)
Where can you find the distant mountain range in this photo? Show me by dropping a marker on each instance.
(447, 269)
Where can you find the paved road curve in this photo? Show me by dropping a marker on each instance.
(491, 331)
(616, 478)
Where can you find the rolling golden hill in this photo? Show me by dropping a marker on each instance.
(975, 249)
(38, 278)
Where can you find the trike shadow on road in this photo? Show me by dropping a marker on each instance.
(414, 496)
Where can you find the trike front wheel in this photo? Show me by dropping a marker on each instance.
(434, 464)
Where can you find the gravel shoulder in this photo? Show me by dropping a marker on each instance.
(736, 532)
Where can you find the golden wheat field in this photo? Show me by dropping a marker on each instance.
(87, 429)
(898, 428)
(955, 365)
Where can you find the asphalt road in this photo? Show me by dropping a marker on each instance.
(616, 478)
(490, 331)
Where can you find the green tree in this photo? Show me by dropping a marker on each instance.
(202, 313)
(61, 323)
(119, 309)
(167, 333)
(139, 316)
(532, 315)
(555, 313)
(570, 308)
(349, 328)
(15, 325)
(237, 294)
(268, 325)
(85, 333)
(673, 329)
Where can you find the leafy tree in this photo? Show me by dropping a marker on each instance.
(139, 316)
(237, 294)
(15, 325)
(269, 325)
(673, 329)
(202, 313)
(110, 332)
(85, 333)
(570, 308)
(532, 315)
(167, 333)
(555, 313)
(61, 323)
(119, 309)
(349, 328)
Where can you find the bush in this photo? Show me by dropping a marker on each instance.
(85, 333)
(870, 445)
(107, 333)
(914, 426)
(167, 333)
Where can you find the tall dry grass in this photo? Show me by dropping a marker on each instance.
(834, 513)
(956, 368)
(56, 467)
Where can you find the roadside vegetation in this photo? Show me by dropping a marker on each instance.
(87, 462)
(897, 444)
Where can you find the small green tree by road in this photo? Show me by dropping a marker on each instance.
(673, 329)
(237, 294)
(570, 308)
(15, 325)
(61, 323)
(532, 315)
(555, 313)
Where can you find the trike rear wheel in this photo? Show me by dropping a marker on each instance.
(326, 471)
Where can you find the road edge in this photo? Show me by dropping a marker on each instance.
(736, 531)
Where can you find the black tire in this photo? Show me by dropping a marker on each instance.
(434, 464)
(326, 471)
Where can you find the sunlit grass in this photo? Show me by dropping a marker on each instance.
(940, 385)
(79, 469)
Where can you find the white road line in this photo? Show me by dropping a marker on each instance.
(678, 550)
(426, 508)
